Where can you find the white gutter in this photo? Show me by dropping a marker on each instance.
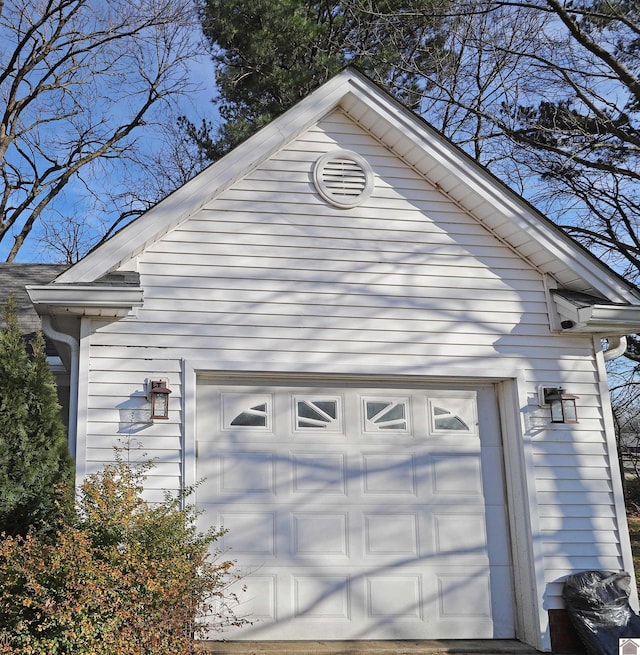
(73, 344)
(111, 301)
(617, 347)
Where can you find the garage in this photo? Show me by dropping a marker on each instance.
(358, 512)
(335, 355)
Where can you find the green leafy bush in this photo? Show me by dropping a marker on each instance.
(125, 577)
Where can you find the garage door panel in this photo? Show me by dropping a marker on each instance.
(463, 594)
(458, 474)
(358, 513)
(319, 472)
(256, 537)
(462, 535)
(249, 533)
(397, 596)
(257, 597)
(389, 474)
(321, 597)
(321, 534)
(391, 535)
(247, 473)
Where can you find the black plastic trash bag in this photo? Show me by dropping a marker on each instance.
(598, 604)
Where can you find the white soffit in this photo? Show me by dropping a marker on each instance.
(445, 166)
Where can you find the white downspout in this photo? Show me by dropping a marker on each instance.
(73, 344)
(617, 347)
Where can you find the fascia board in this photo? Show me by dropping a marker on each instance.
(85, 300)
(503, 199)
(192, 196)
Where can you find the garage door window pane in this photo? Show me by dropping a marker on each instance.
(246, 411)
(253, 417)
(317, 414)
(446, 421)
(385, 415)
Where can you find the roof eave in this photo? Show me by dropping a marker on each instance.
(85, 300)
(603, 319)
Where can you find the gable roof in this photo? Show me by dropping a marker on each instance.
(505, 214)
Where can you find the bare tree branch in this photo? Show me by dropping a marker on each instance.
(81, 81)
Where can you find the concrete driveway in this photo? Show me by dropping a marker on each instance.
(457, 647)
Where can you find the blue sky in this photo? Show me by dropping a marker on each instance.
(196, 105)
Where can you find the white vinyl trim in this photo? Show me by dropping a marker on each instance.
(87, 300)
(616, 480)
(83, 399)
(189, 436)
(523, 516)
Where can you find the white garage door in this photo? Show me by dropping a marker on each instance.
(359, 513)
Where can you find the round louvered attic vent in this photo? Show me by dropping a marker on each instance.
(343, 178)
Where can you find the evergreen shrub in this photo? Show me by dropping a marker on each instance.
(36, 473)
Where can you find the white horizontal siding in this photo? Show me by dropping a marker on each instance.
(603, 526)
(574, 482)
(232, 342)
(574, 486)
(279, 315)
(370, 273)
(421, 298)
(378, 275)
(270, 273)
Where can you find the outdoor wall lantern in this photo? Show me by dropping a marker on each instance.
(158, 395)
(562, 405)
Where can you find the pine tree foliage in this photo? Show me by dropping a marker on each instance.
(35, 468)
(269, 54)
